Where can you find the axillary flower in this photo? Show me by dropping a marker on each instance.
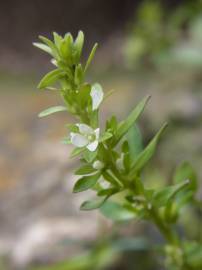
(86, 137)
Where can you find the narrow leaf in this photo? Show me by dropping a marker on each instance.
(135, 142)
(91, 56)
(52, 110)
(86, 169)
(57, 39)
(78, 78)
(86, 182)
(78, 44)
(43, 47)
(116, 212)
(93, 204)
(107, 135)
(162, 196)
(77, 151)
(50, 78)
(51, 45)
(125, 125)
(186, 171)
(147, 153)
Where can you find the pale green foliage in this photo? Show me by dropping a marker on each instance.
(112, 163)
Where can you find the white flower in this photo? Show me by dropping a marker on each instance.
(97, 95)
(98, 165)
(119, 162)
(87, 137)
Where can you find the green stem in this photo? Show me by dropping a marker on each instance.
(167, 232)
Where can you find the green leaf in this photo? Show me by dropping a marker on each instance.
(89, 156)
(91, 56)
(132, 244)
(146, 154)
(78, 78)
(108, 177)
(52, 110)
(78, 44)
(125, 125)
(116, 211)
(193, 253)
(50, 78)
(43, 47)
(83, 96)
(135, 141)
(164, 195)
(86, 182)
(93, 204)
(51, 45)
(85, 169)
(77, 151)
(112, 124)
(57, 39)
(186, 171)
(108, 191)
(66, 48)
(107, 135)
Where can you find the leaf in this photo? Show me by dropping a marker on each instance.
(108, 191)
(186, 171)
(86, 182)
(91, 56)
(108, 177)
(89, 156)
(43, 47)
(112, 124)
(135, 141)
(131, 244)
(125, 125)
(66, 48)
(51, 45)
(146, 154)
(57, 39)
(50, 78)
(83, 96)
(86, 169)
(163, 196)
(52, 110)
(108, 94)
(93, 204)
(77, 151)
(78, 78)
(78, 44)
(193, 252)
(107, 135)
(116, 211)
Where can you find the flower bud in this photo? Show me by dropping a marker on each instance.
(98, 165)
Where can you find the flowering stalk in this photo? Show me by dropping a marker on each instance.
(109, 166)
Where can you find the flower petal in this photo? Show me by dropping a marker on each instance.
(92, 146)
(78, 139)
(85, 129)
(97, 95)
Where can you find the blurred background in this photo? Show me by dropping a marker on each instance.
(145, 47)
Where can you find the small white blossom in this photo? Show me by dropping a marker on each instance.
(98, 165)
(119, 162)
(97, 96)
(87, 137)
